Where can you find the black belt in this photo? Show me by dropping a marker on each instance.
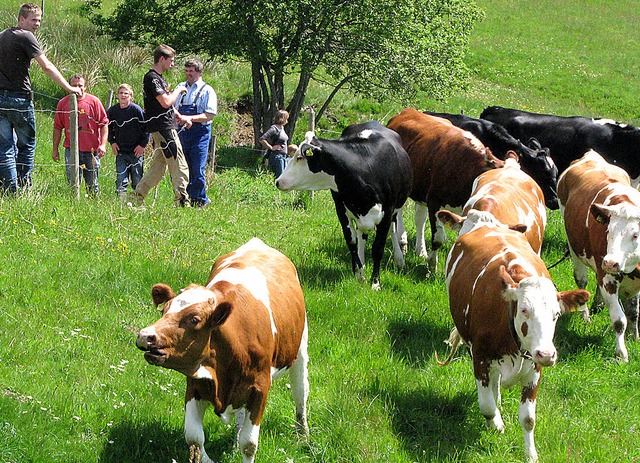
(14, 94)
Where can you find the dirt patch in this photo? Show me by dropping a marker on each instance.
(242, 134)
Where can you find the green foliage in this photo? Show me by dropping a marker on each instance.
(402, 46)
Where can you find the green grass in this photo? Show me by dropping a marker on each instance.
(75, 278)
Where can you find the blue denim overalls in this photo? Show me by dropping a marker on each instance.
(195, 144)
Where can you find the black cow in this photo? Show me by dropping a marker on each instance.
(534, 160)
(569, 138)
(369, 175)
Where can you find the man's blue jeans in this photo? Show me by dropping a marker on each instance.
(89, 169)
(17, 142)
(195, 144)
(128, 167)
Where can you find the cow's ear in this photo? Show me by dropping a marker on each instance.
(509, 285)
(161, 293)
(450, 219)
(572, 301)
(519, 227)
(220, 313)
(601, 213)
(512, 155)
(534, 144)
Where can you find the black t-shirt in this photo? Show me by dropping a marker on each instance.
(17, 48)
(157, 118)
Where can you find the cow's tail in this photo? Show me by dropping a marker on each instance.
(454, 342)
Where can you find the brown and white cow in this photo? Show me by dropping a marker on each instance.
(504, 306)
(602, 219)
(511, 196)
(445, 161)
(231, 338)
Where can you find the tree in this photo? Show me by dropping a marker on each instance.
(378, 48)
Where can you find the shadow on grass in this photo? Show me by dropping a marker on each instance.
(430, 424)
(574, 335)
(130, 442)
(242, 157)
(416, 341)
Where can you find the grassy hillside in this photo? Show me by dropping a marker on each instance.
(75, 278)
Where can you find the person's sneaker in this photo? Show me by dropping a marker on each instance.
(201, 204)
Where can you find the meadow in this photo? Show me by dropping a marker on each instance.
(75, 279)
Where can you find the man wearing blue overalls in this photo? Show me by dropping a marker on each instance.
(196, 109)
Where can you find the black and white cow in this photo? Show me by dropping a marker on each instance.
(533, 159)
(369, 175)
(569, 138)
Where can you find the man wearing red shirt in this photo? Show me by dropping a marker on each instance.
(92, 134)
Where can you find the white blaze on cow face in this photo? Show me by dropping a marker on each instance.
(623, 231)
(298, 176)
(365, 134)
(476, 219)
(536, 312)
(189, 297)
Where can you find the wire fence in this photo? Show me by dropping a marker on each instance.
(150, 149)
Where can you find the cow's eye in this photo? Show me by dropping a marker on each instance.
(195, 320)
(634, 237)
(524, 311)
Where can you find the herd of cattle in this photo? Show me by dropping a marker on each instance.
(248, 325)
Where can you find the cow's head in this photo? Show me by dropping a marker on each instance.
(305, 169)
(180, 340)
(474, 219)
(535, 308)
(623, 232)
(537, 163)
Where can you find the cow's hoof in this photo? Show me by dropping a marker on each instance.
(194, 454)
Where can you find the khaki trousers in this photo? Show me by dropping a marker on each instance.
(169, 143)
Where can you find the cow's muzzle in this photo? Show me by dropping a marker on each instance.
(545, 357)
(146, 342)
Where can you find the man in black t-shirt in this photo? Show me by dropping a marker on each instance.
(160, 120)
(18, 46)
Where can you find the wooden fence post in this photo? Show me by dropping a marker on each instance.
(110, 99)
(73, 140)
(312, 120)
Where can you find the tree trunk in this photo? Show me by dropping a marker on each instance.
(257, 112)
(295, 106)
(326, 103)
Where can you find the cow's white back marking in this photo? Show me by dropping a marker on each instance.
(252, 279)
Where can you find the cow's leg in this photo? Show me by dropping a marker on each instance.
(527, 415)
(438, 237)
(299, 378)
(240, 416)
(361, 239)
(581, 277)
(631, 311)
(248, 437)
(396, 241)
(401, 231)
(377, 250)
(488, 385)
(194, 431)
(580, 270)
(350, 237)
(420, 221)
(608, 287)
